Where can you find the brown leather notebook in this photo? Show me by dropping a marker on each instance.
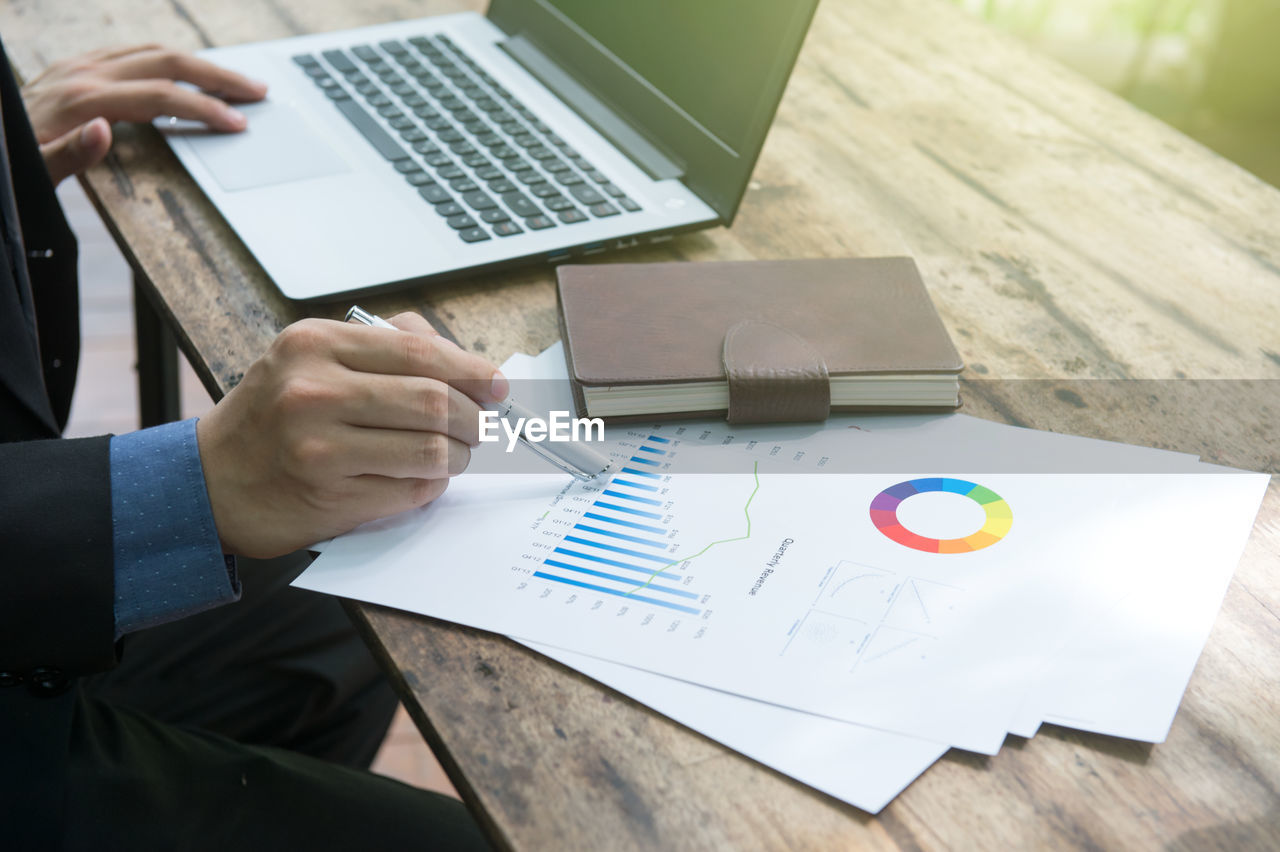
(760, 341)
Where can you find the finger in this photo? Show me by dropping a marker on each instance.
(76, 150)
(160, 63)
(401, 454)
(381, 496)
(108, 53)
(416, 323)
(412, 403)
(378, 350)
(143, 100)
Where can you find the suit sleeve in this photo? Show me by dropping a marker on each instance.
(56, 563)
(169, 561)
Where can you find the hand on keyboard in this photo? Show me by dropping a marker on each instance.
(72, 104)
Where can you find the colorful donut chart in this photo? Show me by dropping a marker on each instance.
(884, 514)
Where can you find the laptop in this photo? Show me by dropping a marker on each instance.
(541, 131)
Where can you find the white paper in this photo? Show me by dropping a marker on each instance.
(955, 675)
(890, 760)
(1124, 673)
(859, 765)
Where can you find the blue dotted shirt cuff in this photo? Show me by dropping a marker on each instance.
(168, 560)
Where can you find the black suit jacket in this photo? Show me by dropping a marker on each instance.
(56, 567)
(56, 591)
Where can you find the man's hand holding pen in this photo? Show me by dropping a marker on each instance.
(338, 424)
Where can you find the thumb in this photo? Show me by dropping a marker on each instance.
(77, 149)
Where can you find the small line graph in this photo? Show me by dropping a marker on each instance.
(899, 643)
(857, 591)
(895, 650)
(924, 605)
(866, 619)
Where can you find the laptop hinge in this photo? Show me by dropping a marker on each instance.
(594, 111)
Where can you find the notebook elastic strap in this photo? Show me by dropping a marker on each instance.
(775, 375)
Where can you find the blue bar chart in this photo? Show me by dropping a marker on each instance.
(621, 543)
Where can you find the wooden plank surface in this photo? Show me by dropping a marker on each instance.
(1072, 245)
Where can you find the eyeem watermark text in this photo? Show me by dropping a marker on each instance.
(560, 427)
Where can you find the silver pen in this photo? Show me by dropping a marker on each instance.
(582, 462)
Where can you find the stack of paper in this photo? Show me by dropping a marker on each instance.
(842, 602)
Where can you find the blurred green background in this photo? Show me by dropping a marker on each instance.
(1211, 68)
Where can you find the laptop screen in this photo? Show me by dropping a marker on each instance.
(699, 79)
(712, 58)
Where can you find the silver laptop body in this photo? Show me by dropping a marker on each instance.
(428, 148)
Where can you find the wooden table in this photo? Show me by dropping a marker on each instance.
(1065, 237)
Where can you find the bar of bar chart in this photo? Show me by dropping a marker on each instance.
(621, 543)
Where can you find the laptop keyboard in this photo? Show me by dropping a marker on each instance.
(483, 160)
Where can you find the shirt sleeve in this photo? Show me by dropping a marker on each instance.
(168, 559)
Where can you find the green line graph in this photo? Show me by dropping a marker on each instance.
(746, 511)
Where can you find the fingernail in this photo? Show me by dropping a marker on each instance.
(236, 117)
(500, 387)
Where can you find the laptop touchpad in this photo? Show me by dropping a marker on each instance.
(279, 146)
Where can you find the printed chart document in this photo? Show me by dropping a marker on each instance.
(916, 604)
(804, 590)
(403, 561)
